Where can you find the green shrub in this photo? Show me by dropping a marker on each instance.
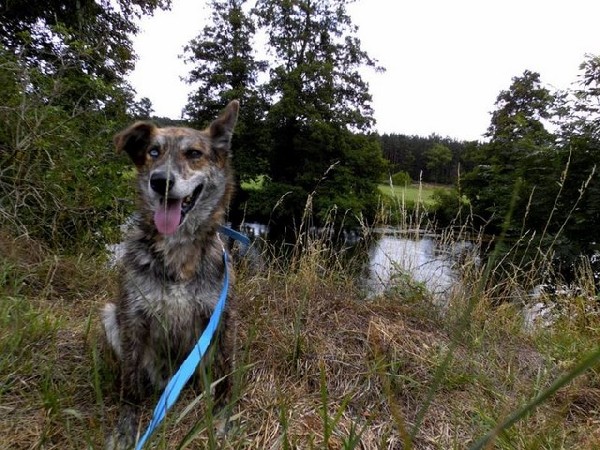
(448, 204)
(60, 181)
(401, 179)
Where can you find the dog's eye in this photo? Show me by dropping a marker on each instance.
(154, 152)
(193, 154)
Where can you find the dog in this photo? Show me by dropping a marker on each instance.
(173, 268)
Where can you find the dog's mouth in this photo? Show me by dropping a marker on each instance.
(172, 211)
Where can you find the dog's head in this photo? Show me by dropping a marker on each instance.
(184, 174)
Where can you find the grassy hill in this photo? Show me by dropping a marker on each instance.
(319, 365)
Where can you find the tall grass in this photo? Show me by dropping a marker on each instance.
(319, 363)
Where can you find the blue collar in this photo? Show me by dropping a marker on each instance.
(188, 367)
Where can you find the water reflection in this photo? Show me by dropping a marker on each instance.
(424, 259)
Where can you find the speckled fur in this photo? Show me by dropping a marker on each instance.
(170, 283)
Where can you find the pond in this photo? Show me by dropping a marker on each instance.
(425, 258)
(428, 259)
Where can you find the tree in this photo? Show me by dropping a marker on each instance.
(142, 110)
(409, 153)
(529, 181)
(518, 165)
(439, 158)
(63, 94)
(85, 42)
(319, 100)
(579, 155)
(318, 56)
(521, 110)
(400, 179)
(224, 64)
(225, 68)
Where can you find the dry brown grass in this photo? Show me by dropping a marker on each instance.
(319, 366)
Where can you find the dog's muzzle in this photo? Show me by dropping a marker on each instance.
(171, 211)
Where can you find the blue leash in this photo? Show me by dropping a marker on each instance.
(245, 240)
(188, 367)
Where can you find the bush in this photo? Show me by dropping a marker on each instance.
(60, 181)
(401, 179)
(448, 204)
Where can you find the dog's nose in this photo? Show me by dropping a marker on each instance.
(161, 183)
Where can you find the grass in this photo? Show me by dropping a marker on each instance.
(412, 194)
(319, 366)
(255, 184)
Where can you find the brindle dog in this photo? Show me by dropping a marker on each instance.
(172, 270)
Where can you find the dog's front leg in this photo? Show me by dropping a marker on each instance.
(134, 387)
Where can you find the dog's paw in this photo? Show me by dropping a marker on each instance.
(116, 441)
(123, 436)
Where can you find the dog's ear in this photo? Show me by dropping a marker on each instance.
(135, 141)
(221, 129)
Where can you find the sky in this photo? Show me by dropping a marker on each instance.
(446, 60)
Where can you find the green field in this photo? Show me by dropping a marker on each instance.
(411, 194)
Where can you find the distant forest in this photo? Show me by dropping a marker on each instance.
(432, 159)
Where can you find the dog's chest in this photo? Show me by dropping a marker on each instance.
(172, 302)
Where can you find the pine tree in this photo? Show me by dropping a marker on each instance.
(225, 68)
(224, 64)
(318, 100)
(518, 167)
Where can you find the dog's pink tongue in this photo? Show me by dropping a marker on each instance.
(168, 216)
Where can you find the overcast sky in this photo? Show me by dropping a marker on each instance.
(446, 60)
